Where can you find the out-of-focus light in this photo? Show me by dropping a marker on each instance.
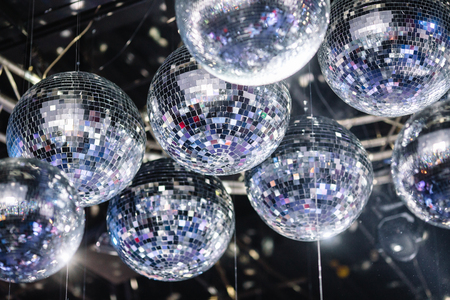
(305, 79)
(134, 284)
(59, 50)
(144, 73)
(231, 292)
(212, 290)
(66, 33)
(95, 209)
(77, 5)
(366, 265)
(249, 272)
(267, 246)
(396, 247)
(130, 58)
(103, 47)
(254, 254)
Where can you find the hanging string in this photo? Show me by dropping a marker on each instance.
(67, 279)
(131, 38)
(77, 46)
(235, 264)
(31, 38)
(85, 257)
(70, 44)
(9, 290)
(319, 258)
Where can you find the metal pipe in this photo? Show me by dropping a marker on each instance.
(2, 138)
(378, 142)
(27, 75)
(7, 102)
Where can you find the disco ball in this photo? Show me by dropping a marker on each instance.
(252, 42)
(171, 224)
(315, 184)
(82, 124)
(421, 164)
(388, 58)
(212, 126)
(40, 225)
(398, 237)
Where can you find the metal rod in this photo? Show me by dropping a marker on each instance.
(27, 75)
(7, 102)
(378, 142)
(2, 138)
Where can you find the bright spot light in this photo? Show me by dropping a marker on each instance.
(76, 5)
(249, 272)
(305, 79)
(366, 265)
(65, 257)
(154, 33)
(103, 47)
(66, 33)
(134, 284)
(212, 290)
(144, 73)
(396, 247)
(95, 209)
(231, 292)
(254, 254)
(59, 50)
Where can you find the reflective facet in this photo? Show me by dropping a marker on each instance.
(82, 124)
(252, 42)
(388, 58)
(212, 126)
(421, 164)
(40, 225)
(315, 184)
(171, 224)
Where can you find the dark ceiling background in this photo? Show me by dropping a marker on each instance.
(268, 266)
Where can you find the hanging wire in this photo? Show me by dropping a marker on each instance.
(131, 38)
(77, 46)
(9, 290)
(31, 37)
(235, 264)
(319, 258)
(67, 279)
(85, 258)
(71, 44)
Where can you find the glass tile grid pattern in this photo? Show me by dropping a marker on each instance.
(212, 126)
(388, 58)
(171, 224)
(318, 157)
(421, 164)
(82, 124)
(252, 42)
(40, 225)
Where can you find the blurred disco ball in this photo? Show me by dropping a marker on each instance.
(317, 158)
(171, 224)
(398, 238)
(421, 164)
(82, 124)
(388, 58)
(212, 126)
(40, 225)
(252, 42)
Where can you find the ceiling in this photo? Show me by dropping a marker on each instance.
(126, 43)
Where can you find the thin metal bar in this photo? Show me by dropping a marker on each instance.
(27, 75)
